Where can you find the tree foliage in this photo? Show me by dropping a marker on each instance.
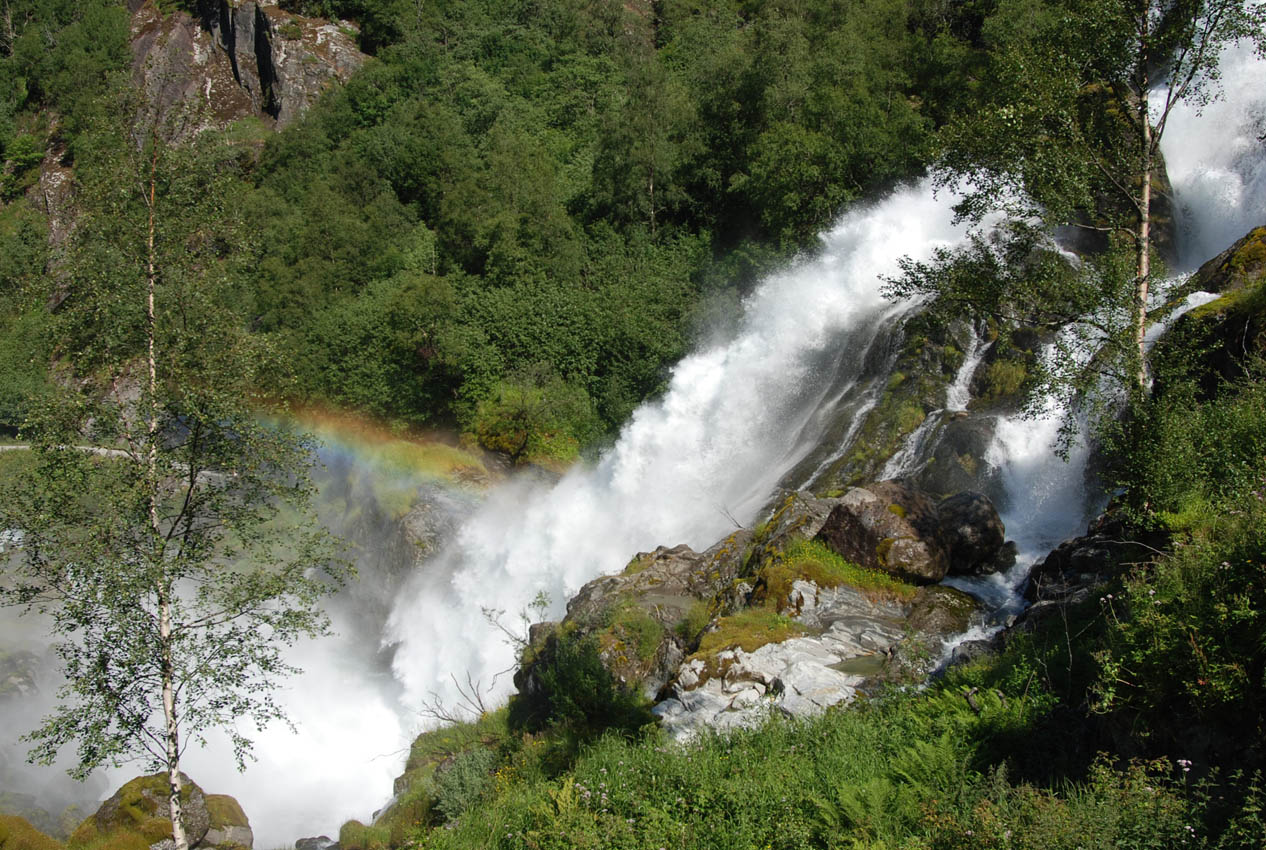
(162, 523)
(1069, 128)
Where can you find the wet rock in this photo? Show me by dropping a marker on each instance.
(941, 611)
(958, 463)
(970, 650)
(18, 672)
(320, 842)
(973, 534)
(1080, 563)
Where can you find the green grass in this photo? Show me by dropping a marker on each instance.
(17, 834)
(898, 773)
(630, 626)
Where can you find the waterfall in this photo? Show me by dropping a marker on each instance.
(735, 419)
(1216, 160)
(913, 454)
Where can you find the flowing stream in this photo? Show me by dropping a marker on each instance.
(737, 418)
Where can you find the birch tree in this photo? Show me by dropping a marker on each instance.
(164, 523)
(1071, 118)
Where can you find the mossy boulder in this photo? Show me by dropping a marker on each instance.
(229, 827)
(1213, 342)
(645, 618)
(896, 528)
(891, 527)
(17, 834)
(1240, 266)
(799, 516)
(973, 535)
(138, 817)
(941, 610)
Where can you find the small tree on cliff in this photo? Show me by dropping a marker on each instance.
(1070, 122)
(161, 520)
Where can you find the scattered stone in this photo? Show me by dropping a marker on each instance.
(320, 842)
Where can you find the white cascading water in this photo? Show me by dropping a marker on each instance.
(714, 447)
(1216, 161)
(912, 456)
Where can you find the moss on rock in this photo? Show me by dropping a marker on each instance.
(136, 817)
(17, 834)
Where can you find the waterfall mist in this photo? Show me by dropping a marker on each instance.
(1216, 161)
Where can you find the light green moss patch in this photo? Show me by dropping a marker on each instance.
(1004, 378)
(748, 630)
(225, 811)
(355, 835)
(639, 564)
(811, 560)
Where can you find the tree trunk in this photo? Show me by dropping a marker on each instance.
(168, 668)
(1143, 270)
(172, 726)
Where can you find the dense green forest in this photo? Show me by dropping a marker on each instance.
(517, 212)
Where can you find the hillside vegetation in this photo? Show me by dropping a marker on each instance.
(518, 216)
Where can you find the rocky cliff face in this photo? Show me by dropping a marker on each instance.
(236, 59)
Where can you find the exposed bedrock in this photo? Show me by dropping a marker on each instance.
(828, 596)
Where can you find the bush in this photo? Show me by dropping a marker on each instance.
(572, 691)
(534, 416)
(465, 782)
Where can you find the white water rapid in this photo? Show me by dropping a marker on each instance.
(1216, 161)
